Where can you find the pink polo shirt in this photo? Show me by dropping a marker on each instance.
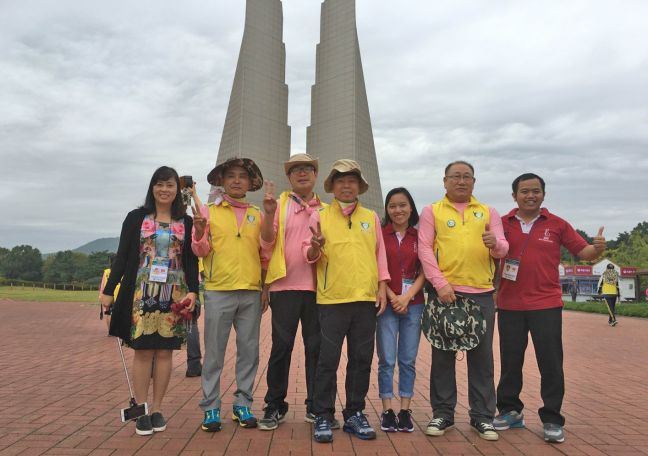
(300, 275)
(426, 235)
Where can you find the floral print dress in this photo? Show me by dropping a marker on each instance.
(154, 325)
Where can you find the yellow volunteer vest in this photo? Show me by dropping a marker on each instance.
(348, 269)
(234, 262)
(104, 280)
(609, 289)
(462, 256)
(277, 265)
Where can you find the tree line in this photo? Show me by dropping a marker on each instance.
(26, 263)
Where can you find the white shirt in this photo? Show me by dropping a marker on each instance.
(526, 227)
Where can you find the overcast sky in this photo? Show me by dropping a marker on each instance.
(95, 95)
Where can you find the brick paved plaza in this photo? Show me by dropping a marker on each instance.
(62, 386)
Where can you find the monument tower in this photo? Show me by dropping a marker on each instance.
(256, 125)
(340, 122)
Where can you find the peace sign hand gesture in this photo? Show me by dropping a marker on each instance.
(317, 242)
(269, 200)
(199, 221)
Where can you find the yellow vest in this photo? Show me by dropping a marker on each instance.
(609, 289)
(462, 256)
(234, 262)
(104, 280)
(277, 265)
(348, 269)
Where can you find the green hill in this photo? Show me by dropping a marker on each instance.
(99, 245)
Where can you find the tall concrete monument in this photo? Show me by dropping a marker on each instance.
(256, 125)
(340, 122)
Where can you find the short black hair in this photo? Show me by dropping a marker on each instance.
(414, 216)
(459, 162)
(164, 173)
(526, 177)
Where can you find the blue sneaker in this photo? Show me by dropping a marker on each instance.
(212, 421)
(244, 416)
(508, 420)
(322, 430)
(359, 426)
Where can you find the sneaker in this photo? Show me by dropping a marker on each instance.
(271, 418)
(322, 430)
(143, 425)
(158, 422)
(388, 421)
(310, 418)
(438, 426)
(212, 421)
(194, 372)
(405, 421)
(486, 430)
(359, 426)
(553, 433)
(614, 323)
(244, 416)
(508, 420)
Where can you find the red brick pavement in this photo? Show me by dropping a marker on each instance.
(62, 387)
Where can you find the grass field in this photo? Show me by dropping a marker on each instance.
(46, 295)
(626, 309)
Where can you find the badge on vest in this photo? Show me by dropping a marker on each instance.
(478, 214)
(250, 218)
(159, 270)
(451, 223)
(365, 226)
(510, 270)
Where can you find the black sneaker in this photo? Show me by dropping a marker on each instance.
(388, 421)
(158, 422)
(486, 430)
(310, 418)
(405, 421)
(322, 430)
(143, 425)
(358, 425)
(271, 418)
(438, 426)
(196, 372)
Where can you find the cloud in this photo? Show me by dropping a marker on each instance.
(96, 95)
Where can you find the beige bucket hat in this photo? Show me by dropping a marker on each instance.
(345, 166)
(301, 159)
(215, 177)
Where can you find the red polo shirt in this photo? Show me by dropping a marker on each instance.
(402, 260)
(538, 282)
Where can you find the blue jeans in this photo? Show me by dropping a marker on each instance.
(398, 333)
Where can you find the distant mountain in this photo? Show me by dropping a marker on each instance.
(99, 245)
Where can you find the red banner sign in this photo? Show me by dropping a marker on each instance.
(583, 270)
(569, 270)
(628, 272)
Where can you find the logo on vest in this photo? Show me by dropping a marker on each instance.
(451, 223)
(250, 218)
(478, 214)
(365, 226)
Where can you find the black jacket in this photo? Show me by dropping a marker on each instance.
(125, 265)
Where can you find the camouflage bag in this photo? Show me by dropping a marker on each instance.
(458, 326)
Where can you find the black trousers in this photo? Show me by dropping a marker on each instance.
(193, 344)
(481, 371)
(357, 322)
(288, 309)
(611, 302)
(545, 327)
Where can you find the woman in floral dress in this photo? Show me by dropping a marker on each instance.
(156, 268)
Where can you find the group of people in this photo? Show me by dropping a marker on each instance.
(344, 274)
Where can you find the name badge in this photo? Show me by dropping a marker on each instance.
(159, 270)
(510, 270)
(406, 285)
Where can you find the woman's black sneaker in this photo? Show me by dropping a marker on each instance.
(143, 425)
(405, 421)
(388, 421)
(158, 422)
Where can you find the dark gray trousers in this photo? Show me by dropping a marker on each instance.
(193, 344)
(481, 386)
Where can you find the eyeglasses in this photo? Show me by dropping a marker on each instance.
(302, 169)
(459, 177)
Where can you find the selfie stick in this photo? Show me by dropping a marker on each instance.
(135, 410)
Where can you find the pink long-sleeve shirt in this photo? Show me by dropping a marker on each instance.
(426, 235)
(300, 275)
(202, 247)
(381, 255)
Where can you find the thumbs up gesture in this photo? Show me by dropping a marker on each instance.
(599, 241)
(488, 237)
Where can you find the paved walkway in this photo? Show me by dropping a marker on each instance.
(62, 386)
